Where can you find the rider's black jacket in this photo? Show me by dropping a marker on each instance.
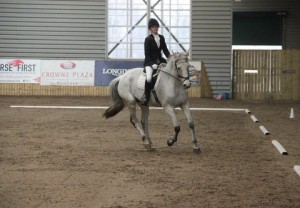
(153, 52)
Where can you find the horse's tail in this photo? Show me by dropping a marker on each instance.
(118, 103)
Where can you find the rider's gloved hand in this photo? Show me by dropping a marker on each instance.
(154, 66)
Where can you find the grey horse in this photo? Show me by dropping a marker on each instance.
(170, 90)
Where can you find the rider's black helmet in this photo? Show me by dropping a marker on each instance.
(152, 22)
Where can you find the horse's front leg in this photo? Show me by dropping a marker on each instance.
(170, 111)
(186, 110)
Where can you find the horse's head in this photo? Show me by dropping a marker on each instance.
(182, 68)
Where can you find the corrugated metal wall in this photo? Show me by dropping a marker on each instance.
(292, 40)
(211, 40)
(76, 29)
(53, 29)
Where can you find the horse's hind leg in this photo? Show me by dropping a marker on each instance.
(186, 110)
(135, 123)
(144, 120)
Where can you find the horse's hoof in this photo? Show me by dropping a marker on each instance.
(197, 150)
(148, 146)
(170, 142)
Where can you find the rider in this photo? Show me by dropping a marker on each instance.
(153, 46)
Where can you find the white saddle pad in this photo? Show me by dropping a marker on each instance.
(141, 81)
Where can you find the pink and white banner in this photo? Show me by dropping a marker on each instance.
(19, 71)
(68, 72)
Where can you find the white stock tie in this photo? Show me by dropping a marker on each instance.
(157, 40)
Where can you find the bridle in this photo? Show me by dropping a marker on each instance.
(179, 77)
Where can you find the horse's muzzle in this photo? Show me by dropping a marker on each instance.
(186, 84)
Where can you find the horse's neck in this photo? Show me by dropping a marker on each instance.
(170, 68)
(168, 80)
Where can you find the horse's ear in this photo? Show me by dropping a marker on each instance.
(187, 53)
(173, 53)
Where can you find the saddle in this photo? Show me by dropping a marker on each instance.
(155, 80)
(142, 78)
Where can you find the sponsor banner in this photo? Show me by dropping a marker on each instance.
(19, 71)
(68, 72)
(105, 71)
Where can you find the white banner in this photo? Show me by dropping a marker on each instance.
(68, 72)
(19, 71)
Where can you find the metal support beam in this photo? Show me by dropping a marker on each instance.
(120, 41)
(172, 35)
(149, 10)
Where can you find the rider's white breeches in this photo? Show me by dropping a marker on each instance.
(149, 72)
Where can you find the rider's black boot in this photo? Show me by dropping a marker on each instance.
(146, 96)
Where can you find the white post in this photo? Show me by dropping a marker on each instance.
(270, 73)
(148, 10)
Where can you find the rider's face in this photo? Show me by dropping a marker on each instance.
(154, 29)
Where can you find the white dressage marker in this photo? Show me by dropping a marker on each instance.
(254, 119)
(292, 114)
(264, 130)
(279, 147)
(297, 169)
(247, 111)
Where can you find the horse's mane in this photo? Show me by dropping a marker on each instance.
(179, 56)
